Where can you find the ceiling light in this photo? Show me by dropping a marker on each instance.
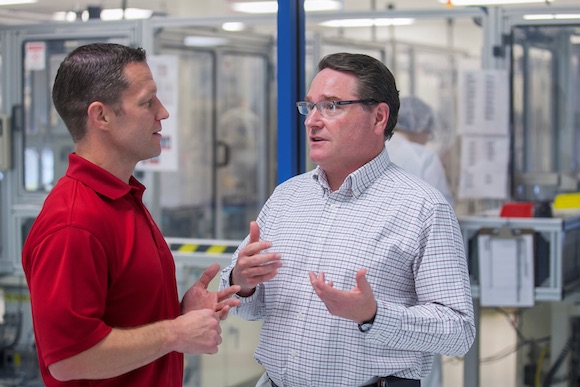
(491, 2)
(233, 26)
(127, 14)
(272, 6)
(14, 2)
(367, 22)
(551, 16)
(69, 16)
(106, 14)
(204, 41)
(321, 5)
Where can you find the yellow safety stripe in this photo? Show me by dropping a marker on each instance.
(196, 248)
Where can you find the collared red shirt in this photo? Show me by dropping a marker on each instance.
(95, 260)
(407, 236)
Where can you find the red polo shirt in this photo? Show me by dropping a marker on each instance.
(94, 259)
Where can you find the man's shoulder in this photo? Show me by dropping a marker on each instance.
(302, 179)
(403, 185)
(71, 203)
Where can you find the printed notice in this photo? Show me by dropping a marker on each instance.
(484, 102)
(484, 167)
(35, 56)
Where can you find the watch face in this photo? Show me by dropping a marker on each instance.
(365, 327)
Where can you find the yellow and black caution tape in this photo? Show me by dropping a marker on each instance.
(201, 248)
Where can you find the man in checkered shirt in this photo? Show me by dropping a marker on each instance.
(357, 268)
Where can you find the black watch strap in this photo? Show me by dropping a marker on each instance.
(365, 326)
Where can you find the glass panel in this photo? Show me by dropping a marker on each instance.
(47, 142)
(430, 73)
(546, 111)
(223, 116)
(187, 194)
(241, 135)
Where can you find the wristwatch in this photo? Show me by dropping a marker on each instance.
(365, 326)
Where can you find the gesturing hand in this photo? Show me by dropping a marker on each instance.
(253, 266)
(358, 304)
(198, 297)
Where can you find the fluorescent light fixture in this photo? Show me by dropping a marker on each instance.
(491, 2)
(204, 41)
(272, 6)
(551, 16)
(233, 26)
(106, 14)
(256, 7)
(367, 22)
(14, 2)
(128, 13)
(68, 16)
(321, 5)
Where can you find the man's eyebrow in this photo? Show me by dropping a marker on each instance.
(324, 98)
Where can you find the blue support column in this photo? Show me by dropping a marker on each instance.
(291, 88)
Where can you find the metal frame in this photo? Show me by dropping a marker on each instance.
(555, 228)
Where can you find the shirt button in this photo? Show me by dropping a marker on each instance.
(318, 240)
(300, 316)
(293, 354)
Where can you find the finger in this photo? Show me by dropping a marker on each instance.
(312, 277)
(208, 275)
(254, 232)
(224, 312)
(228, 292)
(361, 281)
(316, 282)
(230, 302)
(252, 249)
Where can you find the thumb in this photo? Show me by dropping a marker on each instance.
(208, 275)
(254, 232)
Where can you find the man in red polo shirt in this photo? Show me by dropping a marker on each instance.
(102, 280)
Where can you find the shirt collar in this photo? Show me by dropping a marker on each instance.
(359, 180)
(100, 180)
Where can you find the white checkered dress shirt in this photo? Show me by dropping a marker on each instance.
(407, 236)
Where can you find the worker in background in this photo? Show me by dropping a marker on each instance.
(102, 282)
(407, 147)
(357, 267)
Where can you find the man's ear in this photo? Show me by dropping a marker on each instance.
(382, 116)
(99, 115)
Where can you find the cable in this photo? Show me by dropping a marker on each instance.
(512, 323)
(539, 364)
(550, 375)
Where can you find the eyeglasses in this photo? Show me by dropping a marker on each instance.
(328, 108)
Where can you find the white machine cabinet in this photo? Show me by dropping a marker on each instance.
(556, 250)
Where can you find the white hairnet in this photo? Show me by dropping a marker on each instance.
(415, 116)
